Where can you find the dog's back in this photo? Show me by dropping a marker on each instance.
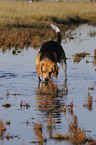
(51, 49)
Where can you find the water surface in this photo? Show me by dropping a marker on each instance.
(18, 75)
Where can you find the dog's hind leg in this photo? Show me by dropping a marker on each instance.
(64, 66)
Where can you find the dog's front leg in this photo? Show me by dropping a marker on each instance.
(39, 78)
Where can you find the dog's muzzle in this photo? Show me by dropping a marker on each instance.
(46, 79)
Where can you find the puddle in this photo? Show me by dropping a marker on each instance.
(18, 75)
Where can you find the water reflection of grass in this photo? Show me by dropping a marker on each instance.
(36, 17)
(3, 129)
(94, 57)
(75, 133)
(46, 102)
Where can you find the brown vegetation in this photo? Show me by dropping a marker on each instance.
(27, 24)
(7, 105)
(80, 56)
(23, 104)
(38, 132)
(76, 134)
(89, 100)
(68, 107)
(18, 38)
(94, 57)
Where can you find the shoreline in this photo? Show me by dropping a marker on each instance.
(18, 37)
(31, 26)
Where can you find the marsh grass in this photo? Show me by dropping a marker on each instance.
(79, 56)
(94, 61)
(23, 24)
(23, 13)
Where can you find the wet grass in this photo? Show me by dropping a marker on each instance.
(2, 126)
(94, 61)
(18, 38)
(69, 108)
(89, 102)
(75, 133)
(80, 56)
(3, 129)
(23, 104)
(23, 24)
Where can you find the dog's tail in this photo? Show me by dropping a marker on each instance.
(57, 30)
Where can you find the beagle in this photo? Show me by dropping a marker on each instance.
(51, 53)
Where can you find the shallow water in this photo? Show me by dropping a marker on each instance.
(18, 74)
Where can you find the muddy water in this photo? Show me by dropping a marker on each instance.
(18, 75)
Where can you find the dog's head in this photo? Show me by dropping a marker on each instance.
(47, 69)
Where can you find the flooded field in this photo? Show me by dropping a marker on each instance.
(24, 102)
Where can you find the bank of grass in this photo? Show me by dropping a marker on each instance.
(38, 15)
(25, 13)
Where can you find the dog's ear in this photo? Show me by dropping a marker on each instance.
(38, 68)
(55, 71)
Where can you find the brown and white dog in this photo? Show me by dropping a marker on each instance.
(50, 53)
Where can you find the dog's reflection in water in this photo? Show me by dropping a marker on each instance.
(47, 88)
(47, 99)
(48, 103)
(48, 95)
